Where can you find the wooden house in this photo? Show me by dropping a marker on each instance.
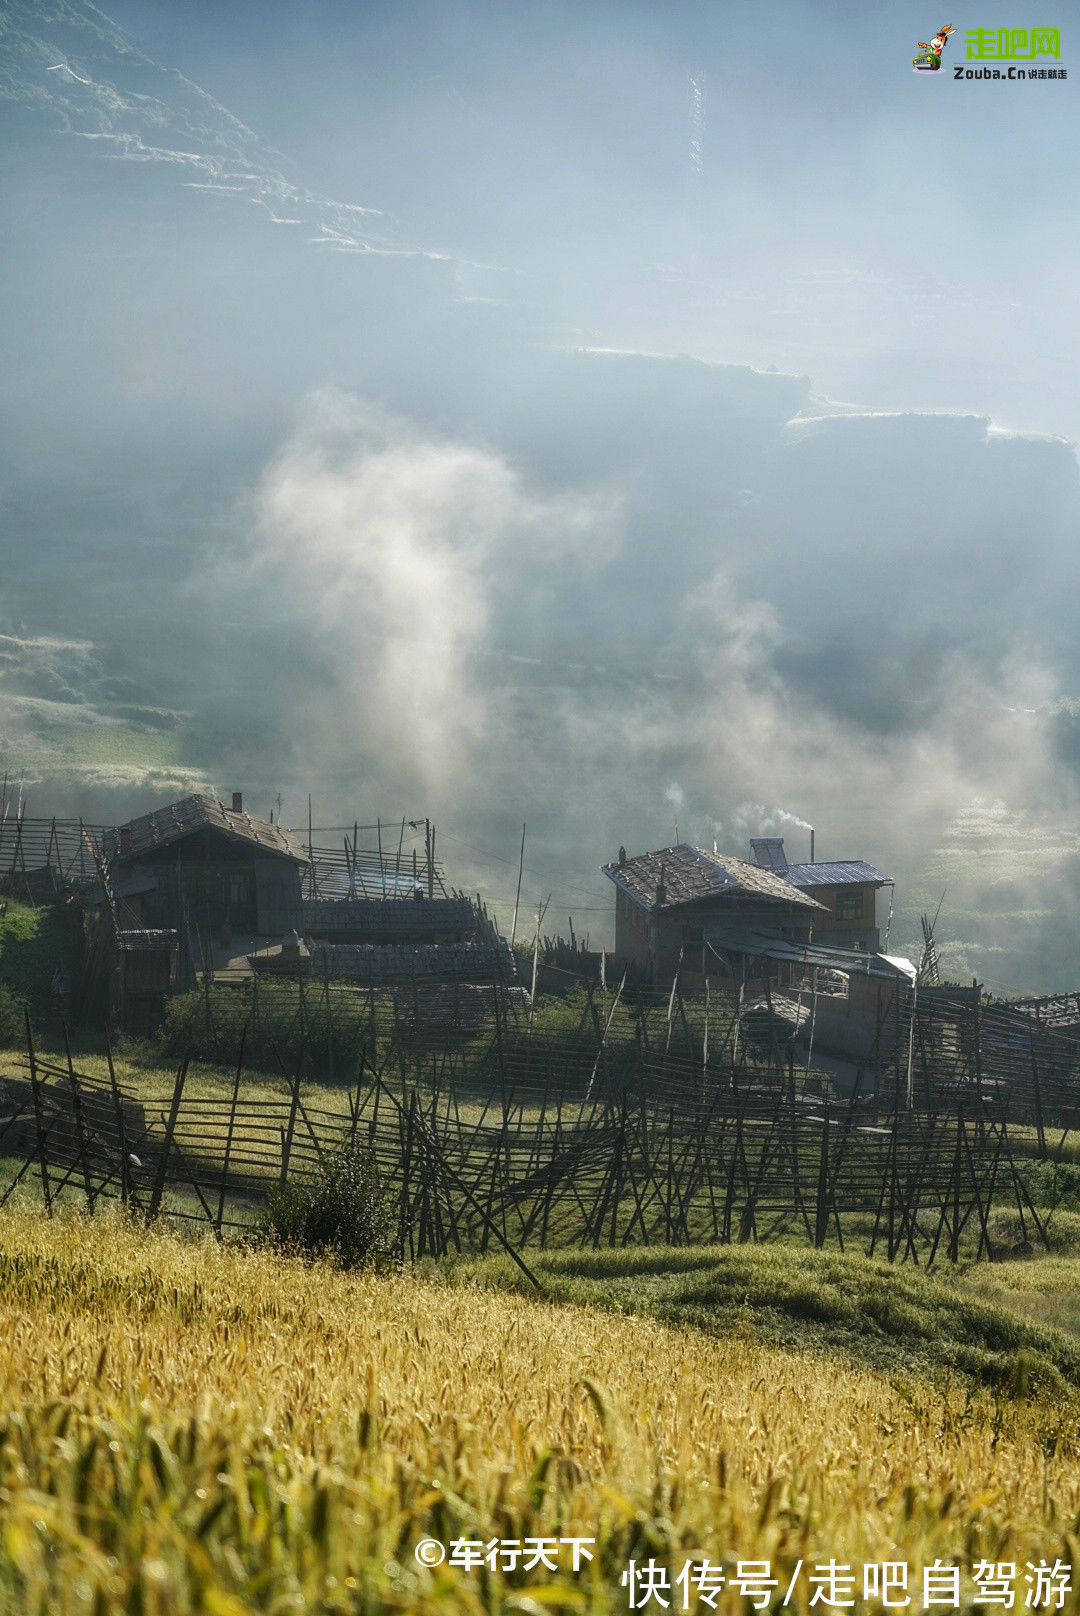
(679, 902)
(201, 869)
(709, 914)
(846, 889)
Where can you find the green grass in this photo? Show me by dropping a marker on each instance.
(121, 747)
(1066, 1149)
(1043, 1288)
(150, 1077)
(977, 1321)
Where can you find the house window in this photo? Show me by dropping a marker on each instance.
(849, 905)
(241, 889)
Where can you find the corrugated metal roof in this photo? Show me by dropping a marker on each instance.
(901, 962)
(689, 874)
(165, 826)
(742, 939)
(840, 873)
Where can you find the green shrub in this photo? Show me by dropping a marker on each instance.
(12, 1025)
(341, 1212)
(279, 1021)
(33, 942)
(1051, 1183)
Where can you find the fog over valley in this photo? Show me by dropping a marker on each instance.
(514, 414)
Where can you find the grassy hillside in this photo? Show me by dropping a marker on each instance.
(99, 744)
(988, 1323)
(191, 1428)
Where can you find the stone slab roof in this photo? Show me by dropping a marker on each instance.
(689, 875)
(165, 826)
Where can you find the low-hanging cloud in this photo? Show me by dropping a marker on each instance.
(410, 563)
(416, 576)
(401, 618)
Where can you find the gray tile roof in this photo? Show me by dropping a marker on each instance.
(689, 875)
(840, 873)
(165, 826)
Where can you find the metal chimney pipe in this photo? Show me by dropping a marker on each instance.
(811, 844)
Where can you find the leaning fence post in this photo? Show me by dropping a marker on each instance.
(287, 1133)
(170, 1128)
(80, 1131)
(1039, 1125)
(121, 1130)
(35, 1090)
(229, 1135)
(821, 1220)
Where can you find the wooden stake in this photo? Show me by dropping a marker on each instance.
(35, 1090)
(80, 1131)
(517, 895)
(170, 1129)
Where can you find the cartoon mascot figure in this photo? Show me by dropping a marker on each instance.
(931, 62)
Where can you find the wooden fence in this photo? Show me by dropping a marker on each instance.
(686, 1152)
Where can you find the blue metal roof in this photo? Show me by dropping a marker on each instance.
(840, 873)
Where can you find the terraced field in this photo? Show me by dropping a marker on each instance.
(188, 1427)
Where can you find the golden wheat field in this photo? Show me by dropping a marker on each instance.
(187, 1427)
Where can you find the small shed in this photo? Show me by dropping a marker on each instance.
(144, 974)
